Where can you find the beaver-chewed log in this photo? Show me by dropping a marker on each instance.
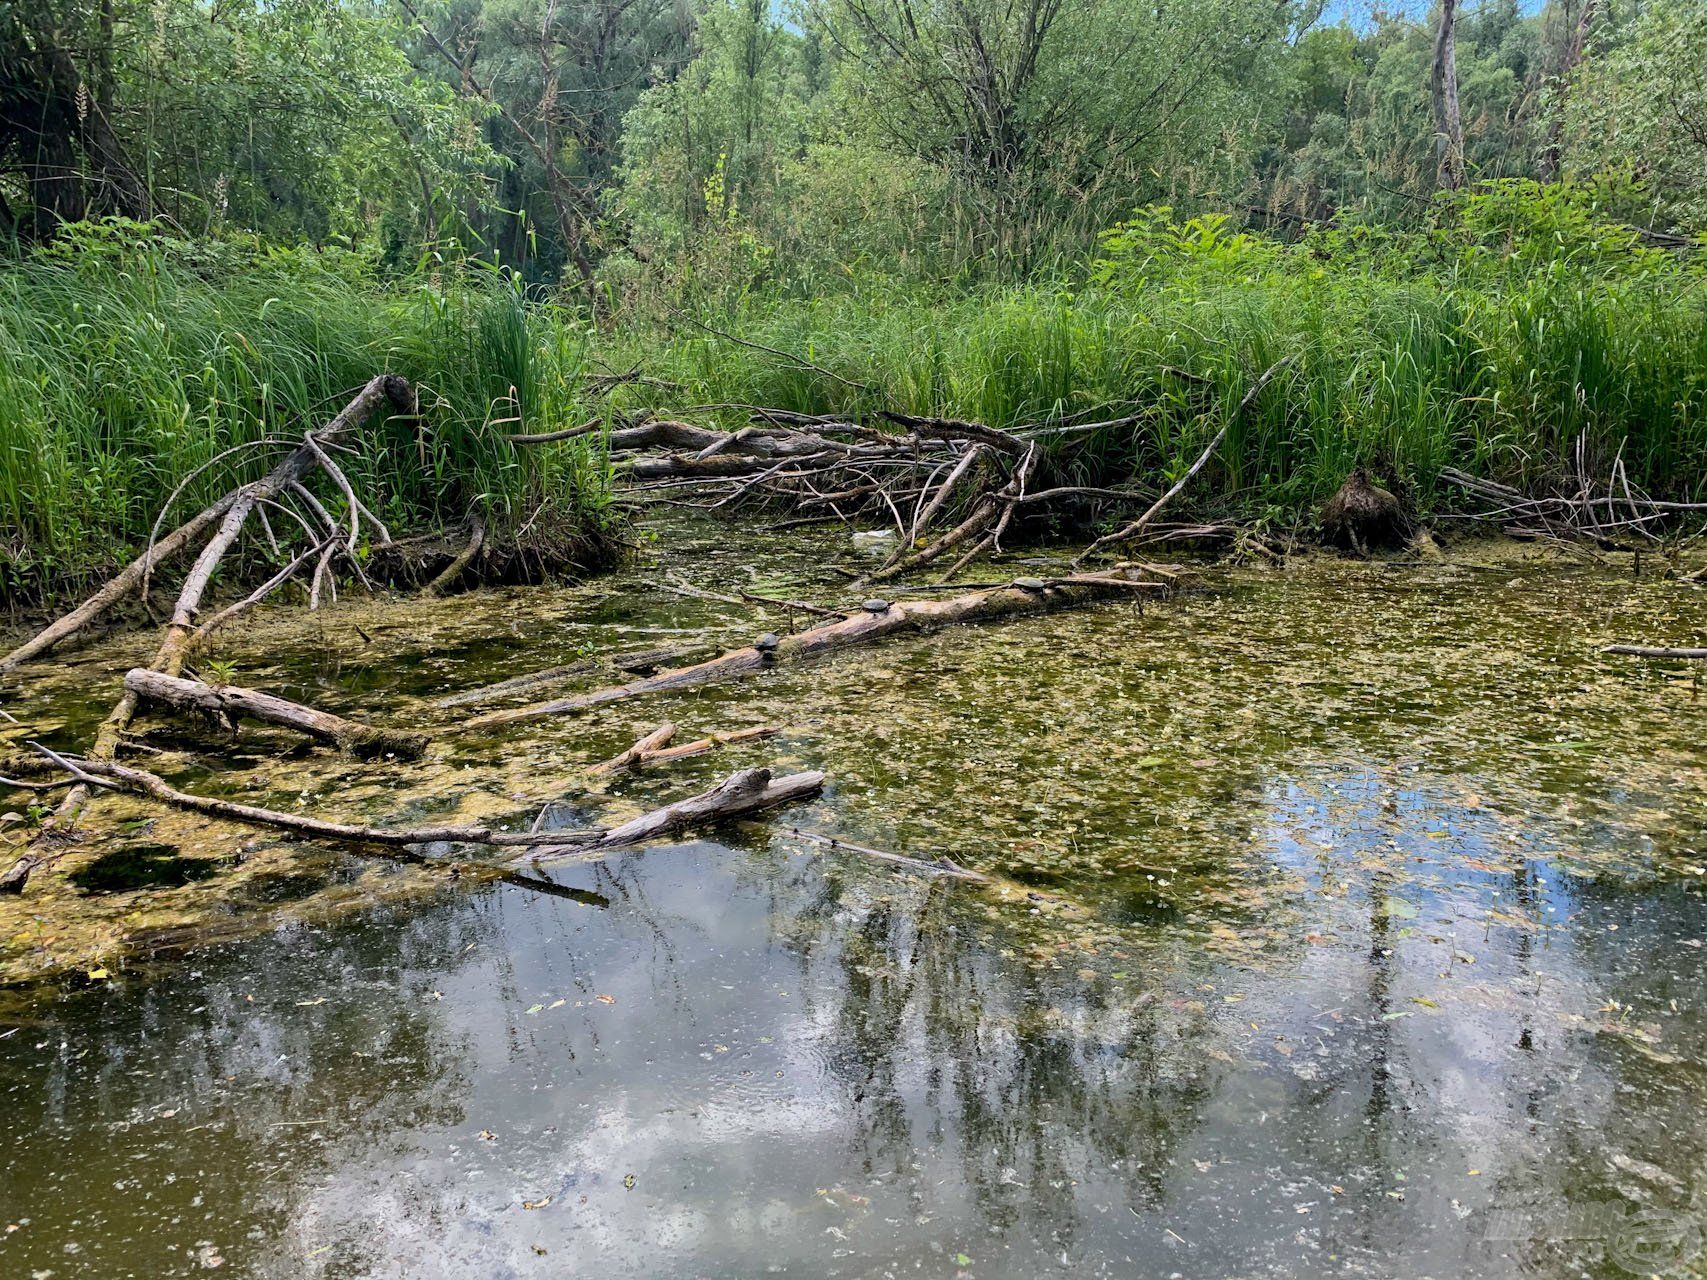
(1362, 516)
(233, 702)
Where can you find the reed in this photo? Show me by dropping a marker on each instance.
(125, 368)
(1407, 361)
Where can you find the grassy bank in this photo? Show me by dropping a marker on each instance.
(1491, 345)
(128, 362)
(1517, 327)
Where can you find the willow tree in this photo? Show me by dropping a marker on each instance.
(1047, 114)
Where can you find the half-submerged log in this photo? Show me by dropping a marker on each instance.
(745, 792)
(636, 753)
(864, 627)
(654, 749)
(235, 702)
(454, 570)
(1656, 651)
(641, 662)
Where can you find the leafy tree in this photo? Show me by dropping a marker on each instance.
(282, 116)
(736, 119)
(1046, 116)
(1640, 101)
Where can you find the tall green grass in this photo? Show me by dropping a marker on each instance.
(127, 363)
(1411, 356)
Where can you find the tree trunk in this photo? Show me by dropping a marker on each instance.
(1448, 120)
(863, 627)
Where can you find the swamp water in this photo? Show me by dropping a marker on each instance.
(1371, 943)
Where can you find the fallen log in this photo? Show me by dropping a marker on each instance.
(867, 625)
(955, 429)
(1655, 651)
(643, 662)
(121, 586)
(747, 791)
(235, 702)
(707, 442)
(938, 866)
(652, 749)
(682, 750)
(547, 437)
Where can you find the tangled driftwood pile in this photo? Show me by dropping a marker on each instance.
(950, 489)
(1612, 513)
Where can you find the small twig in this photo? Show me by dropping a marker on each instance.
(1136, 526)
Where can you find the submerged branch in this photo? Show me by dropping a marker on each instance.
(868, 625)
(744, 792)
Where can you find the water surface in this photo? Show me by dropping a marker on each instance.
(1368, 941)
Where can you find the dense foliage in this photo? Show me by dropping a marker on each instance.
(730, 144)
(1519, 322)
